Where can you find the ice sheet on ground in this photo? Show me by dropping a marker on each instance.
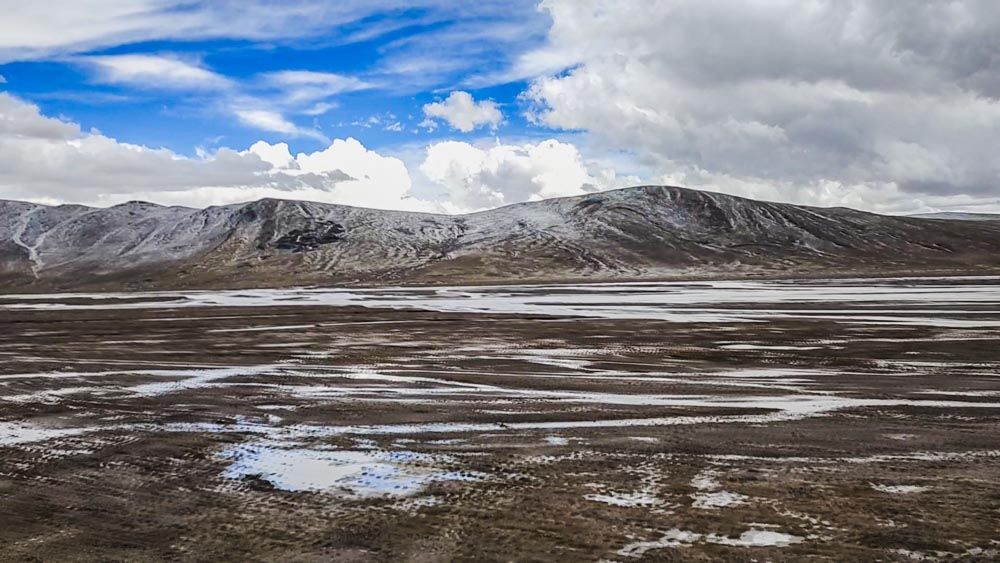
(703, 302)
(639, 498)
(710, 495)
(680, 538)
(756, 538)
(359, 473)
(717, 499)
(671, 538)
(899, 489)
(193, 379)
(12, 433)
(767, 347)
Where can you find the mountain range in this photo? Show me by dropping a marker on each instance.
(647, 232)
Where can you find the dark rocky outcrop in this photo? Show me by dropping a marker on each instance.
(304, 240)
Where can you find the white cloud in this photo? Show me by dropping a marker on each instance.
(319, 108)
(51, 160)
(277, 155)
(462, 112)
(868, 103)
(275, 122)
(39, 29)
(301, 86)
(478, 178)
(155, 71)
(486, 32)
(307, 92)
(367, 123)
(386, 121)
(3, 79)
(261, 103)
(375, 179)
(879, 105)
(296, 91)
(21, 120)
(46, 157)
(274, 94)
(879, 197)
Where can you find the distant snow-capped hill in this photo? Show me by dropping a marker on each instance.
(642, 232)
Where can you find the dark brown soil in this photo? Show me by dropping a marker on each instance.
(138, 483)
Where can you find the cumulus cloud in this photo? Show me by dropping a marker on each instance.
(370, 179)
(478, 178)
(54, 158)
(462, 112)
(51, 160)
(828, 99)
(155, 71)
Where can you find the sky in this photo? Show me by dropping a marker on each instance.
(453, 107)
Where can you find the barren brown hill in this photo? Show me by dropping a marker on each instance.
(633, 233)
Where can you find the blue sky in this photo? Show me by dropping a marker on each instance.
(434, 105)
(184, 118)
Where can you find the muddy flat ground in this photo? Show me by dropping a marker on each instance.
(849, 420)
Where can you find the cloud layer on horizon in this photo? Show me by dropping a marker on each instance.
(53, 161)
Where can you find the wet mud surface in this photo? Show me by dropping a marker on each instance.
(847, 421)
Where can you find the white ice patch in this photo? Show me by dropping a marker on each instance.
(682, 538)
(262, 328)
(193, 379)
(878, 458)
(636, 499)
(709, 495)
(980, 393)
(350, 472)
(13, 433)
(786, 409)
(706, 480)
(765, 347)
(718, 499)
(416, 504)
(915, 304)
(671, 538)
(756, 538)
(567, 358)
(899, 489)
